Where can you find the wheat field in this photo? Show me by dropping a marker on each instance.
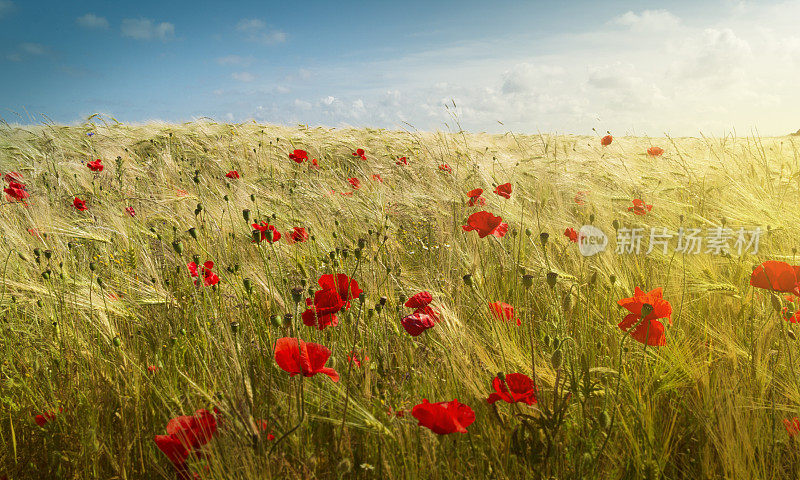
(106, 336)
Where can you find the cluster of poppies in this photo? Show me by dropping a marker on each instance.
(264, 231)
(335, 293)
(96, 166)
(15, 190)
(209, 277)
(186, 436)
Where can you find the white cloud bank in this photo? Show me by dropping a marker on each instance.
(146, 29)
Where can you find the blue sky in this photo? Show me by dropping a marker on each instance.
(628, 67)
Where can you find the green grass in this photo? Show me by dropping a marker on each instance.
(708, 404)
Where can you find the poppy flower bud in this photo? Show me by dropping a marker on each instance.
(37, 251)
(401, 298)
(593, 278)
(527, 280)
(252, 197)
(361, 297)
(612, 279)
(275, 321)
(547, 340)
(100, 282)
(178, 247)
(256, 234)
(92, 266)
(46, 274)
(70, 245)
(196, 179)
(615, 224)
(48, 254)
(196, 258)
(776, 303)
(591, 218)
(234, 327)
(39, 303)
(605, 419)
(226, 198)
(345, 253)
(248, 285)
(528, 232)
(543, 237)
(566, 304)
(117, 341)
(362, 243)
(552, 277)
(382, 301)
(370, 312)
(246, 215)
(269, 235)
(193, 233)
(297, 294)
(287, 320)
(467, 280)
(556, 358)
(357, 253)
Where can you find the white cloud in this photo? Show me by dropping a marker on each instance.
(6, 6)
(243, 76)
(716, 54)
(26, 50)
(147, 29)
(648, 21)
(236, 60)
(255, 30)
(91, 20)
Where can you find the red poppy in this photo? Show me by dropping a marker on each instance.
(356, 183)
(193, 431)
(475, 197)
(335, 295)
(420, 302)
(45, 417)
(445, 168)
(130, 211)
(606, 141)
(264, 427)
(79, 204)
(571, 234)
(503, 311)
(13, 177)
(360, 153)
(299, 156)
(173, 449)
(639, 207)
(416, 323)
(152, 368)
(16, 191)
(314, 164)
(95, 166)
(580, 197)
(263, 227)
(298, 235)
(503, 190)
(486, 224)
(655, 151)
(402, 161)
(377, 178)
(444, 417)
(650, 330)
(232, 174)
(792, 426)
(517, 387)
(776, 276)
(791, 317)
(308, 359)
(352, 357)
(209, 277)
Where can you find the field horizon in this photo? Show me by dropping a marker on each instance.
(124, 355)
